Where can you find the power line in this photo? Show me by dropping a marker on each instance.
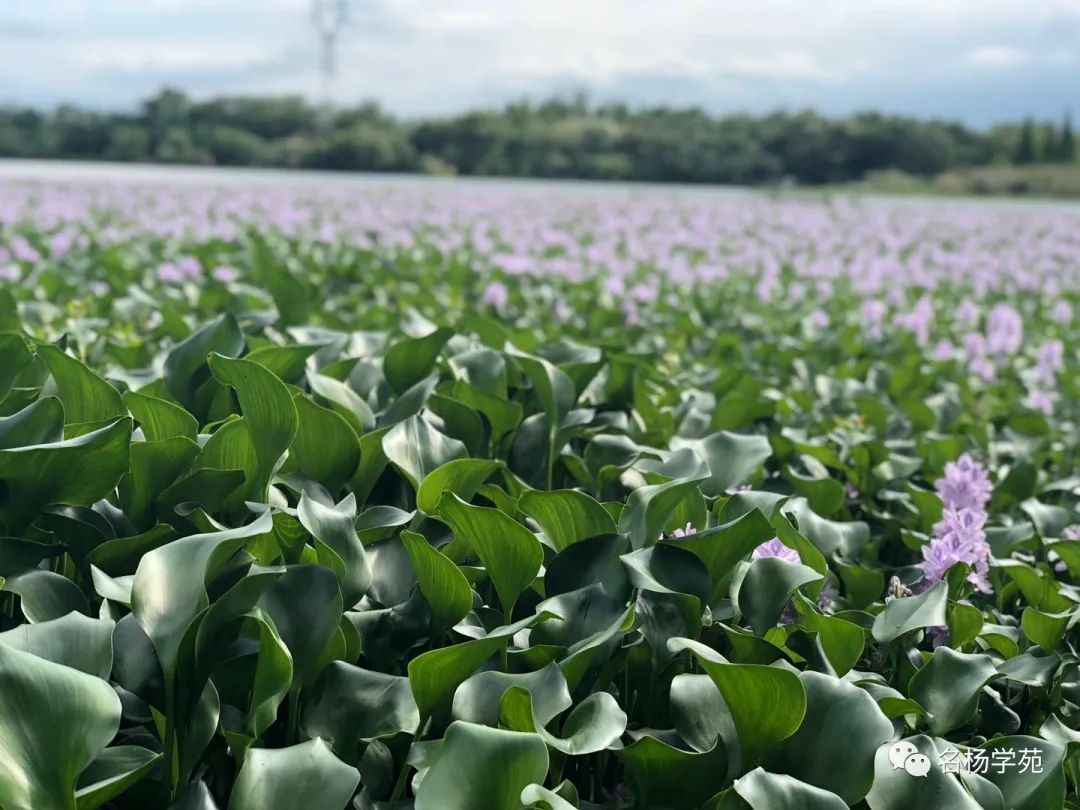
(329, 18)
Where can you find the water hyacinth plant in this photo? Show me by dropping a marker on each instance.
(473, 498)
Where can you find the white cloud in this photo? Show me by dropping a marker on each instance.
(997, 56)
(200, 56)
(422, 56)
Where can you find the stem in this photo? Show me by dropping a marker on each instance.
(504, 656)
(169, 743)
(551, 462)
(293, 717)
(399, 786)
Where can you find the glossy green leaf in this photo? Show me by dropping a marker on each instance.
(307, 776)
(511, 554)
(444, 587)
(477, 766)
(54, 721)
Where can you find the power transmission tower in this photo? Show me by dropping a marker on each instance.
(329, 17)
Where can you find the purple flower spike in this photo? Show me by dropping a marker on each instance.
(965, 484)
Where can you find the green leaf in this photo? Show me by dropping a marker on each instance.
(45, 595)
(74, 640)
(477, 767)
(160, 419)
(895, 789)
(349, 706)
(326, 448)
(770, 791)
(948, 687)
(835, 710)
(185, 366)
(267, 407)
(767, 587)
(462, 476)
(649, 509)
(903, 615)
(767, 704)
(842, 641)
(662, 775)
(409, 360)
(305, 605)
(540, 796)
(510, 553)
(78, 471)
(1026, 789)
(478, 699)
(594, 725)
(306, 776)
(40, 422)
(732, 458)
(1045, 629)
(86, 396)
(417, 449)
(344, 401)
(444, 587)
(112, 773)
(435, 675)
(667, 569)
(336, 536)
(169, 591)
(566, 516)
(721, 547)
(154, 467)
(965, 622)
(288, 363)
(54, 721)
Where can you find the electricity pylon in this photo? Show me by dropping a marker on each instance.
(329, 17)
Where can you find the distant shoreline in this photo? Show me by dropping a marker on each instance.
(63, 171)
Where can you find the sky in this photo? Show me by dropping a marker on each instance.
(979, 61)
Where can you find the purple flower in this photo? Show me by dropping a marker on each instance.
(872, 314)
(851, 491)
(1051, 359)
(1071, 532)
(170, 273)
(967, 313)
(819, 319)
(684, 532)
(496, 295)
(965, 485)
(1004, 330)
(944, 351)
(189, 266)
(774, 548)
(958, 538)
(9, 272)
(983, 368)
(1041, 401)
(1062, 312)
(224, 274)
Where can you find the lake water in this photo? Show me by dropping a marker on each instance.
(152, 174)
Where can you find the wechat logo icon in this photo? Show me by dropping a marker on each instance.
(905, 755)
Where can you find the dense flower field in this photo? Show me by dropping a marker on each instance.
(475, 498)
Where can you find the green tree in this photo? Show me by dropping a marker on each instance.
(1025, 151)
(128, 143)
(1067, 144)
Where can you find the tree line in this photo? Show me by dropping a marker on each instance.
(555, 139)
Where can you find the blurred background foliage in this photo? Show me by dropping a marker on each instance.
(565, 139)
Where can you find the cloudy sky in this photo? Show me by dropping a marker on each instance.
(978, 60)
